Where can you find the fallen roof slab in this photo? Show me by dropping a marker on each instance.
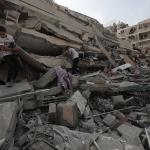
(17, 88)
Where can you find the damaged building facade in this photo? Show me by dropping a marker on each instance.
(138, 35)
(108, 107)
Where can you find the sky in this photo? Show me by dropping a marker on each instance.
(107, 11)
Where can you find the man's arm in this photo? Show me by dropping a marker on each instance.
(5, 48)
(11, 47)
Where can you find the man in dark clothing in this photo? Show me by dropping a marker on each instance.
(8, 53)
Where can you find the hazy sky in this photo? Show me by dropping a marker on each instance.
(129, 11)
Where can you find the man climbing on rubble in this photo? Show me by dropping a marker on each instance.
(63, 78)
(74, 56)
(8, 54)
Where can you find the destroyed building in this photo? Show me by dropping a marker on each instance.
(138, 35)
(108, 107)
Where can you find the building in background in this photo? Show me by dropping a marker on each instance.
(138, 35)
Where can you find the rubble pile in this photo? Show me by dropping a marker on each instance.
(108, 106)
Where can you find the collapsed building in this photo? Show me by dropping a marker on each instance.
(109, 105)
(55, 26)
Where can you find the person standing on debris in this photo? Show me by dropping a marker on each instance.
(8, 54)
(74, 55)
(63, 78)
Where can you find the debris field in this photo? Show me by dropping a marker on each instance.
(108, 106)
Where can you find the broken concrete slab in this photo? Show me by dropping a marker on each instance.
(46, 79)
(65, 138)
(124, 86)
(130, 133)
(59, 32)
(119, 115)
(118, 101)
(8, 119)
(133, 147)
(109, 143)
(78, 99)
(95, 77)
(52, 62)
(85, 77)
(67, 114)
(133, 115)
(17, 88)
(127, 129)
(110, 121)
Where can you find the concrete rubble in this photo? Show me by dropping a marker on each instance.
(108, 107)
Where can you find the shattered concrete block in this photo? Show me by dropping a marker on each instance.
(118, 101)
(127, 129)
(95, 77)
(79, 100)
(17, 88)
(130, 133)
(52, 113)
(67, 114)
(133, 147)
(8, 118)
(109, 143)
(64, 138)
(110, 121)
(133, 116)
(119, 115)
(46, 79)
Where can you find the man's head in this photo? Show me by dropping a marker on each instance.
(66, 48)
(2, 31)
